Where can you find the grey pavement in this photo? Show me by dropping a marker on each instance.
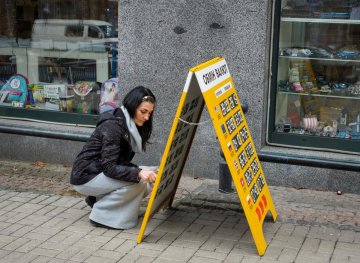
(40, 224)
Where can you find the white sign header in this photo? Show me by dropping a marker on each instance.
(212, 75)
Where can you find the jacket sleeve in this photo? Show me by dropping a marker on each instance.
(111, 147)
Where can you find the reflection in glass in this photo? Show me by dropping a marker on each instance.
(65, 43)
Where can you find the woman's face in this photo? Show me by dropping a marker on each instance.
(143, 113)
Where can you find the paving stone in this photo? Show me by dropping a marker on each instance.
(300, 231)
(167, 238)
(207, 230)
(173, 227)
(210, 255)
(288, 254)
(306, 257)
(180, 253)
(145, 252)
(145, 259)
(227, 234)
(10, 228)
(211, 244)
(70, 252)
(225, 246)
(41, 259)
(5, 240)
(128, 236)
(198, 259)
(126, 247)
(22, 231)
(187, 243)
(51, 199)
(164, 260)
(273, 252)
(57, 260)
(357, 237)
(114, 255)
(11, 206)
(288, 241)
(352, 249)
(83, 254)
(29, 246)
(151, 246)
(28, 208)
(12, 257)
(233, 258)
(326, 247)
(129, 258)
(37, 236)
(15, 244)
(154, 237)
(245, 249)
(194, 228)
(249, 259)
(26, 258)
(7, 195)
(324, 233)
(44, 252)
(95, 259)
(38, 199)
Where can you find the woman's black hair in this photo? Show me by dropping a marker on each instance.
(131, 101)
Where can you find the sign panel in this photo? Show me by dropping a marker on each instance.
(238, 147)
(219, 94)
(176, 150)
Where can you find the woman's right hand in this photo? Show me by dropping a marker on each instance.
(148, 176)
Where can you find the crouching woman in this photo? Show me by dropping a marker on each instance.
(103, 170)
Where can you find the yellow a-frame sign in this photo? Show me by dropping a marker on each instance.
(210, 83)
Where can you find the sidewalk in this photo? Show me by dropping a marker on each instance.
(43, 220)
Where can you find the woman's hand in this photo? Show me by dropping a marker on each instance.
(148, 176)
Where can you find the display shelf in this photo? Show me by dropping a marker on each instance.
(318, 95)
(321, 59)
(319, 20)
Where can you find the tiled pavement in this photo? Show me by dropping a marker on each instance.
(204, 226)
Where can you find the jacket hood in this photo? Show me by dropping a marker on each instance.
(116, 114)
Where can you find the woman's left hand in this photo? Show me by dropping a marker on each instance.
(148, 176)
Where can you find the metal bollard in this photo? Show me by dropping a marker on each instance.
(225, 179)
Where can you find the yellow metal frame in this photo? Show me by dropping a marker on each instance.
(253, 192)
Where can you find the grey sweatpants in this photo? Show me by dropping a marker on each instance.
(118, 202)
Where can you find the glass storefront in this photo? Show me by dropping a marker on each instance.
(54, 57)
(315, 81)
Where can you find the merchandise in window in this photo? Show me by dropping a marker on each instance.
(55, 57)
(315, 90)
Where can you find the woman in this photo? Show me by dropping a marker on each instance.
(103, 170)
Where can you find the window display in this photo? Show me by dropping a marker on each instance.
(64, 50)
(316, 88)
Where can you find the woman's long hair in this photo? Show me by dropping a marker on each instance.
(131, 101)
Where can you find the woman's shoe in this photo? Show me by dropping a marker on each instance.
(90, 200)
(101, 225)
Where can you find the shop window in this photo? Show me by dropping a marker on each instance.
(315, 85)
(62, 53)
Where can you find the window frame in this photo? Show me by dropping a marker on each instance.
(296, 140)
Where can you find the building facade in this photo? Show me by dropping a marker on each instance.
(294, 63)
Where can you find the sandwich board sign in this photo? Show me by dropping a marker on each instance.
(210, 83)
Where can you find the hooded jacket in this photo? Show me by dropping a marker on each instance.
(108, 150)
